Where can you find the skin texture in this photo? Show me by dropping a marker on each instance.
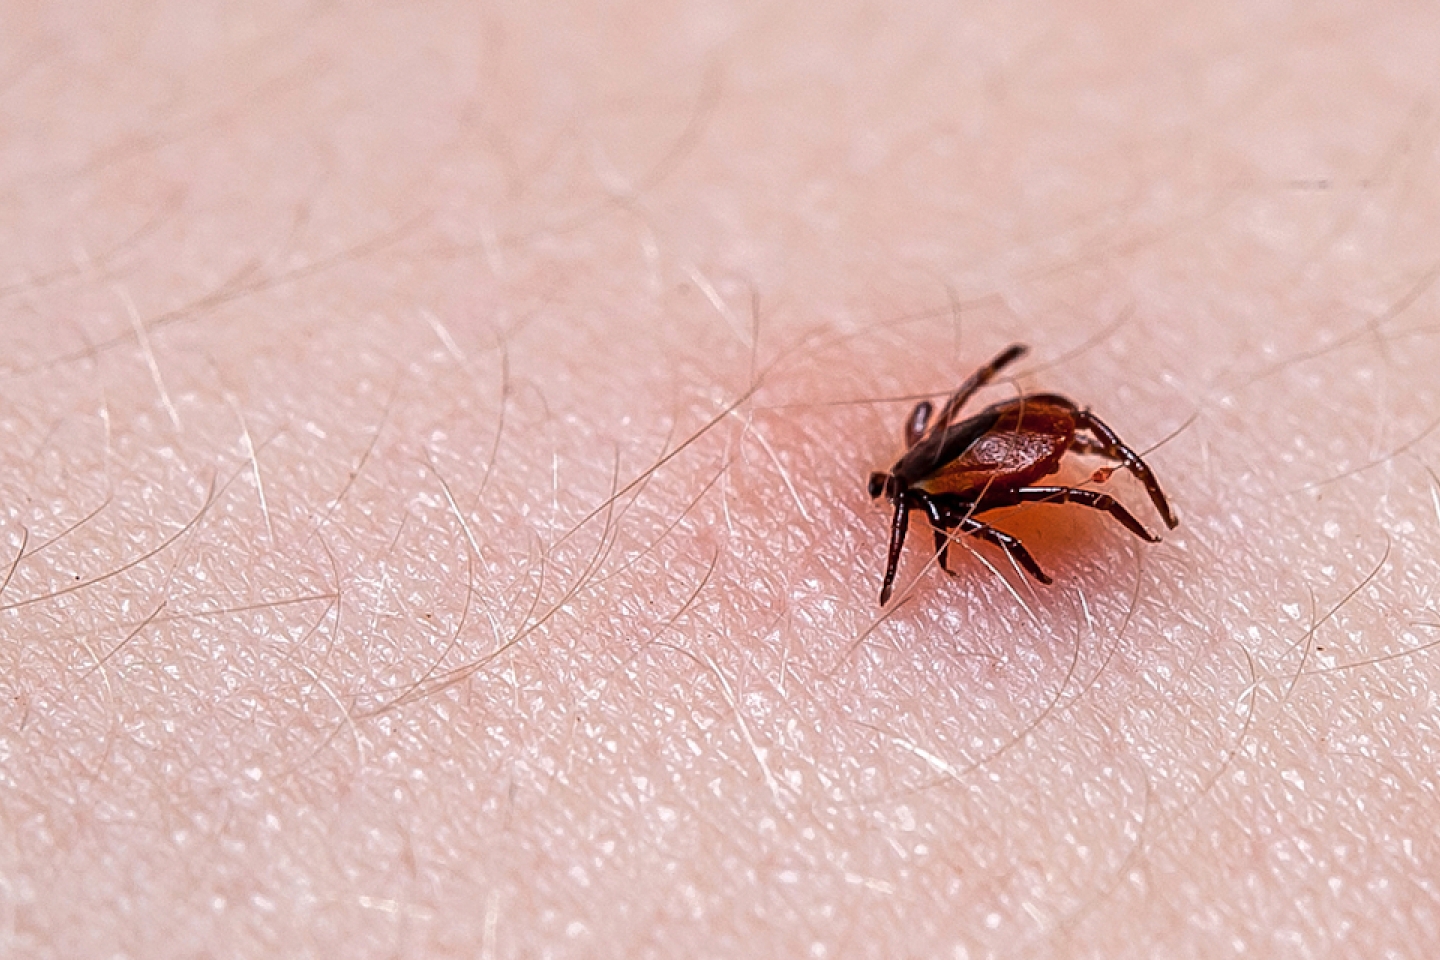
(434, 450)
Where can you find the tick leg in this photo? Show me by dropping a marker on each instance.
(942, 549)
(1111, 446)
(977, 380)
(1006, 542)
(940, 522)
(898, 527)
(919, 420)
(950, 513)
(1087, 498)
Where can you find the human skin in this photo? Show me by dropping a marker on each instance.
(435, 443)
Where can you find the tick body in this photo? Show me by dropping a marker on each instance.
(955, 471)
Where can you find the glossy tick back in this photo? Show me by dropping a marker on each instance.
(956, 471)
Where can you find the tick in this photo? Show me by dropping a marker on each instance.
(956, 471)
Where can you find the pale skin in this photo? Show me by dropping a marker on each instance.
(435, 447)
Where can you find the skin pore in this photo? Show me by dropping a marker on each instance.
(435, 443)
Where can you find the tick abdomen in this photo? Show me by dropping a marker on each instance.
(1025, 442)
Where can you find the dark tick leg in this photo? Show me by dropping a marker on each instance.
(1111, 446)
(940, 522)
(897, 541)
(950, 513)
(919, 420)
(977, 380)
(942, 549)
(1087, 498)
(1006, 542)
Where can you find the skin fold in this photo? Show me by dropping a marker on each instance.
(435, 440)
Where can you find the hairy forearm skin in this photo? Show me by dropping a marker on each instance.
(434, 451)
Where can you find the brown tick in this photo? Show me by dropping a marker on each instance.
(956, 471)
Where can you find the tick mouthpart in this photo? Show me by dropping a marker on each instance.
(879, 482)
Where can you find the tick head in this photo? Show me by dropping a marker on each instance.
(880, 483)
